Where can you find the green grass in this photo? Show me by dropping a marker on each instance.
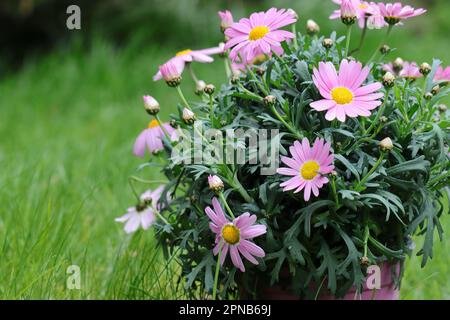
(67, 125)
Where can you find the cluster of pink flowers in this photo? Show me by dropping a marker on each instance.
(374, 15)
(346, 93)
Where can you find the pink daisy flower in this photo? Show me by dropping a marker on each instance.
(142, 215)
(235, 236)
(442, 74)
(307, 167)
(410, 70)
(187, 56)
(226, 19)
(151, 138)
(259, 34)
(343, 94)
(393, 13)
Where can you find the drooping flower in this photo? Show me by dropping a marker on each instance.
(343, 94)
(410, 70)
(142, 215)
(235, 236)
(364, 11)
(226, 19)
(442, 74)
(259, 34)
(187, 56)
(151, 138)
(308, 167)
(312, 27)
(393, 13)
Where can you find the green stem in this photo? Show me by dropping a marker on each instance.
(180, 93)
(161, 217)
(162, 127)
(225, 203)
(293, 131)
(347, 40)
(211, 109)
(134, 178)
(216, 274)
(375, 166)
(192, 73)
(383, 41)
(379, 113)
(366, 239)
(333, 187)
(294, 31)
(261, 87)
(363, 36)
(228, 70)
(237, 185)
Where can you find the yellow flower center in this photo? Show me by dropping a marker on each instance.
(153, 124)
(231, 234)
(363, 6)
(183, 52)
(258, 32)
(309, 170)
(342, 95)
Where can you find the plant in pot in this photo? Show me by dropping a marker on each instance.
(306, 175)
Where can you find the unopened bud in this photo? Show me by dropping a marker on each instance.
(435, 90)
(383, 119)
(327, 43)
(334, 173)
(151, 105)
(398, 64)
(386, 144)
(188, 116)
(215, 183)
(425, 68)
(173, 123)
(260, 71)
(292, 13)
(442, 108)
(200, 87)
(234, 79)
(428, 96)
(364, 261)
(270, 100)
(209, 89)
(385, 49)
(388, 80)
(312, 27)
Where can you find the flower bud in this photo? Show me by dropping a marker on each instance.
(388, 80)
(270, 100)
(209, 89)
(383, 119)
(425, 68)
(386, 144)
(348, 12)
(428, 96)
(435, 90)
(151, 105)
(215, 183)
(173, 123)
(292, 13)
(226, 19)
(327, 43)
(385, 49)
(364, 261)
(398, 64)
(260, 71)
(442, 108)
(188, 116)
(334, 173)
(200, 87)
(312, 27)
(234, 79)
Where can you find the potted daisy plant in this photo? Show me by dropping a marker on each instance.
(306, 175)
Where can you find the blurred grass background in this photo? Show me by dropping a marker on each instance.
(70, 109)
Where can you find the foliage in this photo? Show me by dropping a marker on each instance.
(381, 199)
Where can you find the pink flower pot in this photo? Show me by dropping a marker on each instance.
(387, 291)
